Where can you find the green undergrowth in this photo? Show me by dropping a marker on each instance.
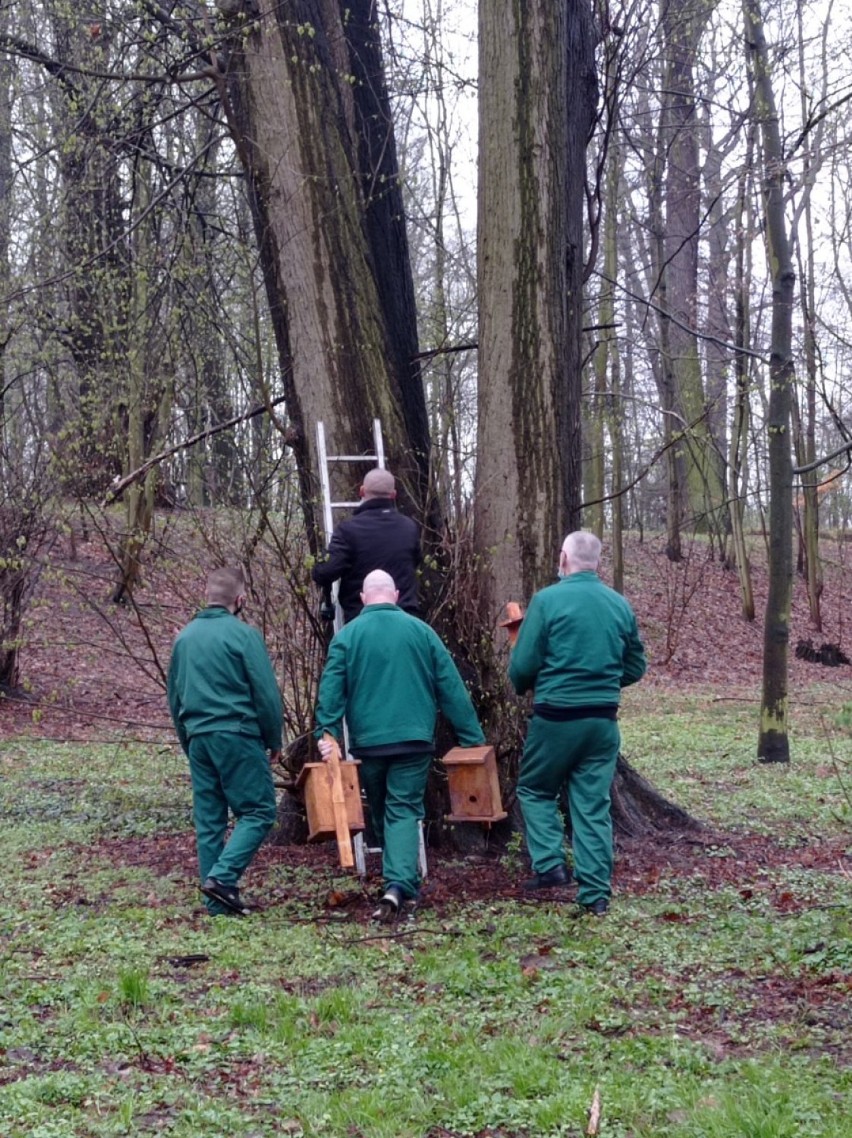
(700, 750)
(697, 1009)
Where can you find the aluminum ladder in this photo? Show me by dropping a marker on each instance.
(329, 506)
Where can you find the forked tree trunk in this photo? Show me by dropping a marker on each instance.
(308, 110)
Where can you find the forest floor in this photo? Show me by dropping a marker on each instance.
(93, 680)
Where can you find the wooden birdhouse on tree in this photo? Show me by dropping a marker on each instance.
(474, 785)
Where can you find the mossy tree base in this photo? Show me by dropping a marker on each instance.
(639, 810)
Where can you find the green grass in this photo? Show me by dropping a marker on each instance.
(698, 1011)
(700, 750)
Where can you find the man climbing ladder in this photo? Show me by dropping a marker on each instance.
(376, 536)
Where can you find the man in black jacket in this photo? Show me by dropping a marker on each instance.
(376, 536)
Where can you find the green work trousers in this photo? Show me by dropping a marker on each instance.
(395, 786)
(229, 771)
(579, 755)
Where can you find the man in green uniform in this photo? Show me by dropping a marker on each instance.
(226, 709)
(577, 647)
(389, 673)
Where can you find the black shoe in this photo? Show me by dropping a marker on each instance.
(389, 905)
(552, 879)
(598, 908)
(227, 895)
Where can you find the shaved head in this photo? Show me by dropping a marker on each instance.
(379, 589)
(378, 483)
(224, 586)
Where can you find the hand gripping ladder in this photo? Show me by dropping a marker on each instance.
(329, 506)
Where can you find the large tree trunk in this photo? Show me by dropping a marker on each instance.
(615, 403)
(663, 373)
(91, 230)
(773, 740)
(309, 113)
(537, 98)
(385, 223)
(804, 420)
(738, 455)
(6, 74)
(702, 486)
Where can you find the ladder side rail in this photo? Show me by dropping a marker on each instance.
(328, 506)
(378, 442)
(325, 484)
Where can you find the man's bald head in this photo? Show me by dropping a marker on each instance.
(378, 483)
(379, 589)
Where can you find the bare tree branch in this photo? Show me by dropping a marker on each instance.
(119, 485)
(847, 447)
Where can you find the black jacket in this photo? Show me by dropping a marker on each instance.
(377, 536)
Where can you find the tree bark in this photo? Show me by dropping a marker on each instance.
(310, 120)
(804, 420)
(6, 75)
(638, 808)
(537, 98)
(738, 455)
(385, 223)
(699, 473)
(91, 229)
(773, 739)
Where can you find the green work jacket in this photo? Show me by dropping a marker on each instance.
(221, 679)
(578, 645)
(389, 673)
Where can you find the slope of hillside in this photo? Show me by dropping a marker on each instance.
(93, 670)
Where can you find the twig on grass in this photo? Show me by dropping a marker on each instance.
(401, 935)
(594, 1114)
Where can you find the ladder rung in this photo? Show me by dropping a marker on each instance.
(351, 458)
(344, 505)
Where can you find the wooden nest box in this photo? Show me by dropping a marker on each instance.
(315, 781)
(474, 786)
